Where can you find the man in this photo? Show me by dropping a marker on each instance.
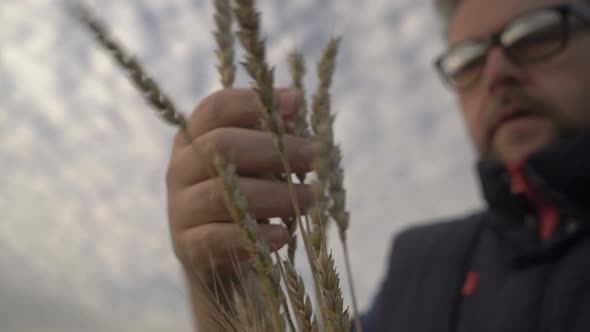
(521, 73)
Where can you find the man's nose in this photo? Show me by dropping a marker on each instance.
(501, 72)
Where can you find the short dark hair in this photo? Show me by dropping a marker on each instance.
(446, 9)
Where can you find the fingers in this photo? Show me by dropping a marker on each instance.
(205, 202)
(236, 108)
(226, 122)
(223, 244)
(251, 151)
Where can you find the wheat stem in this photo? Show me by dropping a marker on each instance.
(336, 189)
(311, 253)
(299, 125)
(279, 264)
(255, 64)
(291, 224)
(257, 248)
(357, 318)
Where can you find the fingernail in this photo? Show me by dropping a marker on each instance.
(288, 101)
(278, 238)
(306, 198)
(306, 155)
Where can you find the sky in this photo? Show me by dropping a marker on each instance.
(84, 244)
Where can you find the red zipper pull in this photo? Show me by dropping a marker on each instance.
(470, 284)
(548, 215)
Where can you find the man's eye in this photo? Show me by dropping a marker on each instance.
(534, 37)
(463, 56)
(550, 33)
(538, 43)
(469, 69)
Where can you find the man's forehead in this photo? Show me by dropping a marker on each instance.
(479, 18)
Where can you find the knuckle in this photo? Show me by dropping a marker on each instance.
(174, 157)
(211, 109)
(209, 102)
(173, 177)
(212, 196)
(192, 247)
(179, 247)
(171, 173)
(199, 245)
(179, 140)
(214, 142)
(201, 248)
(179, 212)
(227, 107)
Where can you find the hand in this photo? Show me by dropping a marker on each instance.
(226, 122)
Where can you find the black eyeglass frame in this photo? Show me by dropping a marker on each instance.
(495, 40)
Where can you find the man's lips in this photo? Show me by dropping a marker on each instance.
(511, 114)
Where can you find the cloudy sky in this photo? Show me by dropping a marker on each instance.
(84, 244)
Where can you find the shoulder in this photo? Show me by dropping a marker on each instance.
(418, 254)
(419, 240)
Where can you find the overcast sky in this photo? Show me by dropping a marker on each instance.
(84, 244)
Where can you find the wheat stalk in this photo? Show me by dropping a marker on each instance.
(322, 141)
(335, 317)
(262, 261)
(327, 165)
(256, 65)
(243, 315)
(299, 299)
(225, 42)
(291, 224)
(250, 320)
(163, 106)
(342, 217)
(297, 69)
(299, 126)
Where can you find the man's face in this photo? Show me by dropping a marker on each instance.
(552, 96)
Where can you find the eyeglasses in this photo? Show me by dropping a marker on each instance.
(532, 37)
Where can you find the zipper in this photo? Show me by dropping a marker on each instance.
(548, 217)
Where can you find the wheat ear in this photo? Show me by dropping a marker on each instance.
(225, 42)
(297, 69)
(322, 141)
(299, 126)
(329, 164)
(341, 217)
(335, 317)
(300, 301)
(262, 261)
(256, 66)
(151, 91)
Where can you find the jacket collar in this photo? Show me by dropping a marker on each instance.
(558, 172)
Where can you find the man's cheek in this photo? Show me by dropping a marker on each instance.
(476, 132)
(568, 104)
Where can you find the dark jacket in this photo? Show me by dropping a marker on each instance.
(522, 265)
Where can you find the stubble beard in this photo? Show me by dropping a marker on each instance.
(518, 144)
